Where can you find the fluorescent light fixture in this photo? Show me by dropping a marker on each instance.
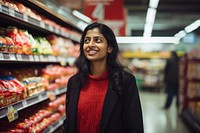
(129, 40)
(192, 26)
(153, 3)
(151, 14)
(148, 30)
(81, 16)
(180, 34)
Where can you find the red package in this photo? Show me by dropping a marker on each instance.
(9, 44)
(2, 44)
(15, 36)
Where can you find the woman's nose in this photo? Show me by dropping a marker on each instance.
(91, 43)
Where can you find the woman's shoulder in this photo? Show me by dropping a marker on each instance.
(74, 80)
(127, 75)
(74, 77)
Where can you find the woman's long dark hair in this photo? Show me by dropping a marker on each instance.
(115, 68)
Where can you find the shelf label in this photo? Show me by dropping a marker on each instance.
(12, 56)
(52, 58)
(24, 103)
(31, 58)
(62, 61)
(57, 30)
(11, 12)
(25, 17)
(1, 56)
(19, 57)
(57, 91)
(12, 114)
(0, 8)
(51, 96)
(41, 58)
(42, 24)
(36, 58)
(50, 28)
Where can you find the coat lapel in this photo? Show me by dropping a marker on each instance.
(73, 111)
(109, 103)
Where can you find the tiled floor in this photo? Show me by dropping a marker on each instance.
(157, 120)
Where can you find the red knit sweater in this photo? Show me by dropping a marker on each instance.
(90, 104)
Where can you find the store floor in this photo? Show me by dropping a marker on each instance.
(157, 120)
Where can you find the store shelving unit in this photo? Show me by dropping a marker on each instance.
(12, 57)
(12, 17)
(54, 126)
(21, 20)
(189, 91)
(30, 101)
(148, 68)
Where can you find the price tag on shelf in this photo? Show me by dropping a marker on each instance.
(45, 58)
(12, 114)
(31, 58)
(24, 103)
(0, 8)
(57, 30)
(36, 58)
(42, 24)
(11, 12)
(1, 56)
(53, 58)
(41, 58)
(50, 28)
(19, 57)
(56, 91)
(40, 97)
(62, 61)
(51, 95)
(12, 56)
(25, 17)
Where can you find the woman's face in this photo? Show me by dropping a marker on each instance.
(95, 46)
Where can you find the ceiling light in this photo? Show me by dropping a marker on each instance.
(151, 14)
(81, 16)
(180, 34)
(153, 3)
(132, 40)
(192, 26)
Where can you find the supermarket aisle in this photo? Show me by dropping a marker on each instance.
(157, 120)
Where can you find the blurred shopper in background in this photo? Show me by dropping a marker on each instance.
(171, 79)
(103, 96)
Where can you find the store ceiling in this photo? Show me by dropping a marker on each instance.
(171, 17)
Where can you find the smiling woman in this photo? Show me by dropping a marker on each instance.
(96, 48)
(103, 96)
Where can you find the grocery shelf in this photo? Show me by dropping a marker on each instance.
(30, 101)
(66, 17)
(12, 57)
(23, 19)
(51, 128)
(192, 120)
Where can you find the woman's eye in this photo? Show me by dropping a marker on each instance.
(98, 40)
(86, 41)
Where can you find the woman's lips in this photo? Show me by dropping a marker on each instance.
(91, 52)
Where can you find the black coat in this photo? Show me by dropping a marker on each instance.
(120, 114)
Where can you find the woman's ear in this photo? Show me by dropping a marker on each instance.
(110, 49)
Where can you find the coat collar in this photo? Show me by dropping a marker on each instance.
(109, 103)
